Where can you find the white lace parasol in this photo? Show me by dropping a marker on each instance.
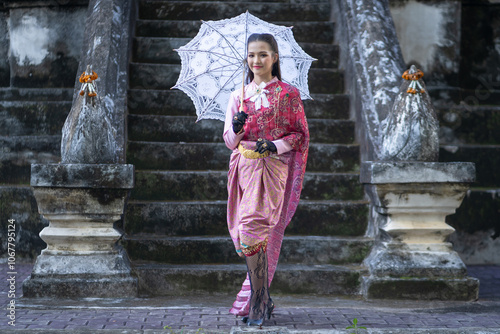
(213, 61)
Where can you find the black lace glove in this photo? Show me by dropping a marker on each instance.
(264, 145)
(239, 120)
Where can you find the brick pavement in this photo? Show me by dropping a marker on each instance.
(297, 313)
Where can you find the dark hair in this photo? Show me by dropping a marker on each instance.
(269, 39)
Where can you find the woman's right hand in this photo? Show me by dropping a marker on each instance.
(239, 120)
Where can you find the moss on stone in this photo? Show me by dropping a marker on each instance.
(423, 289)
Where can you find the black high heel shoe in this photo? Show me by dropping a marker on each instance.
(255, 322)
(270, 308)
(269, 311)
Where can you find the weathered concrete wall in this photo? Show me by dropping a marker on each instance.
(429, 35)
(40, 47)
(477, 224)
(4, 51)
(457, 45)
(45, 46)
(18, 203)
(480, 52)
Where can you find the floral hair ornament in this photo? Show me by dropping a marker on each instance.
(260, 98)
(87, 81)
(414, 75)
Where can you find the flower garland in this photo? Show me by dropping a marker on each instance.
(414, 77)
(87, 81)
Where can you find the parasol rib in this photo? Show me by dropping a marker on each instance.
(242, 94)
(208, 71)
(216, 95)
(209, 52)
(236, 53)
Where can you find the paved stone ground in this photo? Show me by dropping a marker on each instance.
(298, 314)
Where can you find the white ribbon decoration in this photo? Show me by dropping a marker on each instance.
(260, 98)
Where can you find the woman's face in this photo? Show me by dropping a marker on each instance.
(260, 60)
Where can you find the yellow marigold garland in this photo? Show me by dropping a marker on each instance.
(87, 78)
(87, 81)
(414, 77)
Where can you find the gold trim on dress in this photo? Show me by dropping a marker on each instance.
(251, 154)
(251, 250)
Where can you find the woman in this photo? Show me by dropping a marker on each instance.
(270, 140)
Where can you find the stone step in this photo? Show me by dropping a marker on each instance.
(185, 129)
(323, 106)
(17, 153)
(20, 118)
(212, 185)
(482, 94)
(177, 103)
(469, 125)
(164, 76)
(303, 31)
(335, 158)
(36, 94)
(277, 1)
(306, 250)
(171, 280)
(189, 10)
(161, 51)
(486, 158)
(321, 218)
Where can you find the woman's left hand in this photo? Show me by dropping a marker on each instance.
(264, 145)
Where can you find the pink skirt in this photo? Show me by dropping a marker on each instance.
(263, 196)
(256, 192)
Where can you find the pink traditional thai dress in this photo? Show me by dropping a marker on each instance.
(264, 192)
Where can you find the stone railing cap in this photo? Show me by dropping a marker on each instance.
(417, 172)
(110, 176)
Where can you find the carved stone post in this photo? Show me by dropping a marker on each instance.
(410, 196)
(82, 197)
(82, 259)
(411, 259)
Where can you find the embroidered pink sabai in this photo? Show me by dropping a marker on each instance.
(264, 192)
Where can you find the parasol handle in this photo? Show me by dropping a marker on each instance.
(242, 94)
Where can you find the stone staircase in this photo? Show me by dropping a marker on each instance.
(30, 132)
(175, 224)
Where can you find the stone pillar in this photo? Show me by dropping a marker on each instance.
(412, 259)
(411, 195)
(85, 194)
(81, 202)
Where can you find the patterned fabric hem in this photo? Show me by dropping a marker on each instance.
(252, 250)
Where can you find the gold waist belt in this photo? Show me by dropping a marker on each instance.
(251, 154)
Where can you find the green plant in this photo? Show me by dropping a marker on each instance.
(171, 331)
(355, 326)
